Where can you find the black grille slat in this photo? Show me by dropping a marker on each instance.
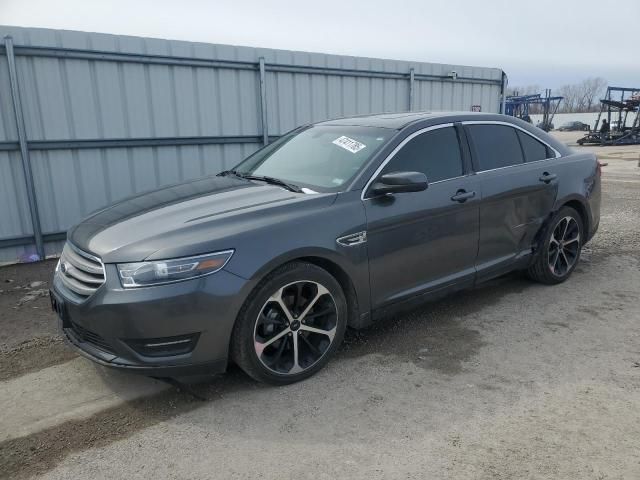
(88, 336)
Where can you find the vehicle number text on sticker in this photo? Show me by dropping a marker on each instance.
(349, 144)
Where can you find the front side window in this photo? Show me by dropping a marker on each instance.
(435, 153)
(496, 146)
(532, 148)
(323, 157)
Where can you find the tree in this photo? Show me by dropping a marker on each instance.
(578, 97)
(570, 100)
(593, 89)
(583, 96)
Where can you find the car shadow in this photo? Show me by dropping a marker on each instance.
(436, 335)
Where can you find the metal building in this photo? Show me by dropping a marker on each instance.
(87, 119)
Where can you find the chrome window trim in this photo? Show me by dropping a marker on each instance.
(443, 125)
(480, 172)
(395, 151)
(496, 122)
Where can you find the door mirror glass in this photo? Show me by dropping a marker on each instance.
(400, 182)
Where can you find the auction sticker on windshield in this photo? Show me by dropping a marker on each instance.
(349, 144)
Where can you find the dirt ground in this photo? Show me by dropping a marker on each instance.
(29, 338)
(509, 380)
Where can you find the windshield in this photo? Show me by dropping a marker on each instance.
(323, 158)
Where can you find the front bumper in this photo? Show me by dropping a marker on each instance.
(110, 325)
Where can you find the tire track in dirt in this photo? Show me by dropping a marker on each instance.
(34, 454)
(34, 355)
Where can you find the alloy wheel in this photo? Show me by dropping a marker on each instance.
(295, 327)
(564, 246)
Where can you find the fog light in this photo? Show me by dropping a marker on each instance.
(164, 347)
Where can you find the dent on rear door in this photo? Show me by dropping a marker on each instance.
(515, 203)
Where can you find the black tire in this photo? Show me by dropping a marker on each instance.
(264, 318)
(560, 249)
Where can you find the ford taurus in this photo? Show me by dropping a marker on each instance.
(333, 225)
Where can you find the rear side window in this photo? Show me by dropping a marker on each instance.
(435, 153)
(496, 146)
(533, 149)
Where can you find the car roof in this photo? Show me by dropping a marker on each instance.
(398, 121)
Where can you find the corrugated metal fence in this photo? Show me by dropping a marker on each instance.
(87, 119)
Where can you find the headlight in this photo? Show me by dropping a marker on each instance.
(144, 274)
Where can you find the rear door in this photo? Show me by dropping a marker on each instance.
(420, 242)
(518, 188)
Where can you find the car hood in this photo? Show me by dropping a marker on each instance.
(191, 218)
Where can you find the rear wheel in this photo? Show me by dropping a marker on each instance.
(290, 325)
(561, 249)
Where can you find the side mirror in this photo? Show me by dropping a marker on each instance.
(400, 182)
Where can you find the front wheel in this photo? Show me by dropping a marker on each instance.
(560, 250)
(291, 324)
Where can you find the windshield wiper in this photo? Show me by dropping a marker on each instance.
(271, 180)
(226, 173)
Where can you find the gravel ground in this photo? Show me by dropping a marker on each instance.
(509, 380)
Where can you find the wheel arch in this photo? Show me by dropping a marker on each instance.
(574, 203)
(579, 207)
(337, 266)
(345, 282)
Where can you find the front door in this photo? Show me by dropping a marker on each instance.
(423, 241)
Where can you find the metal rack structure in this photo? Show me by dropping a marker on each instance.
(519, 106)
(620, 106)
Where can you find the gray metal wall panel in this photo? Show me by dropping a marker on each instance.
(93, 178)
(7, 123)
(14, 209)
(70, 99)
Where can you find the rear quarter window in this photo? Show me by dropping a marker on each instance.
(495, 146)
(533, 149)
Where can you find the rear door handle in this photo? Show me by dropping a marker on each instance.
(547, 177)
(462, 196)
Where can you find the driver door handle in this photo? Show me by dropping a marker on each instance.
(546, 177)
(462, 196)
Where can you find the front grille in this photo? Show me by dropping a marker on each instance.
(88, 336)
(80, 272)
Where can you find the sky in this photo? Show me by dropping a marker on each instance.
(546, 43)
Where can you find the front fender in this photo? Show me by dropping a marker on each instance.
(303, 235)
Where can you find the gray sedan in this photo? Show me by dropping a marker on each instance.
(333, 225)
